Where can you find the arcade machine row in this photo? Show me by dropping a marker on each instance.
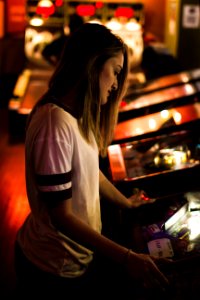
(166, 166)
(46, 21)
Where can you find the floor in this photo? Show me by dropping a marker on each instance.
(14, 206)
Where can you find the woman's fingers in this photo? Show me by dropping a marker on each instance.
(140, 198)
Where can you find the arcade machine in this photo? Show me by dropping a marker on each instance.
(163, 82)
(44, 23)
(160, 99)
(166, 120)
(163, 164)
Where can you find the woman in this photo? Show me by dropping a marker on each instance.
(58, 244)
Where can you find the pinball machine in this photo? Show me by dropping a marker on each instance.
(162, 82)
(163, 164)
(163, 121)
(154, 100)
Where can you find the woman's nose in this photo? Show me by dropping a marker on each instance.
(115, 85)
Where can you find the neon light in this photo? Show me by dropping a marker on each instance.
(45, 11)
(45, 8)
(124, 12)
(59, 3)
(85, 10)
(99, 4)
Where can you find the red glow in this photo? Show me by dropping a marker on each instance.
(85, 10)
(144, 197)
(124, 12)
(45, 11)
(99, 4)
(59, 3)
(123, 103)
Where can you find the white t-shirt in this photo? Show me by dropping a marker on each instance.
(60, 165)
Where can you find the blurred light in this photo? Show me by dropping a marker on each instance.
(194, 226)
(36, 21)
(129, 147)
(99, 4)
(189, 88)
(139, 131)
(85, 10)
(185, 77)
(113, 24)
(59, 3)
(22, 83)
(152, 123)
(44, 3)
(164, 114)
(132, 25)
(127, 12)
(14, 104)
(45, 8)
(95, 21)
(180, 157)
(177, 117)
(24, 111)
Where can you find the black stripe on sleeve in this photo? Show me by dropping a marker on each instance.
(55, 197)
(53, 179)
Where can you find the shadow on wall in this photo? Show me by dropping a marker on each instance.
(158, 62)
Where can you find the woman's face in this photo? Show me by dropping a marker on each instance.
(108, 79)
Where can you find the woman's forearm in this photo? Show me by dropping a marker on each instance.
(111, 193)
(79, 231)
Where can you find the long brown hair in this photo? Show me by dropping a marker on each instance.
(77, 74)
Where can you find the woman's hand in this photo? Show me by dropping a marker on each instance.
(143, 267)
(139, 198)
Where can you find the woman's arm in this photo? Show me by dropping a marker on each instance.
(67, 222)
(140, 266)
(109, 192)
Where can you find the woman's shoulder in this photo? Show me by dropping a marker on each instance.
(51, 121)
(52, 116)
(56, 113)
